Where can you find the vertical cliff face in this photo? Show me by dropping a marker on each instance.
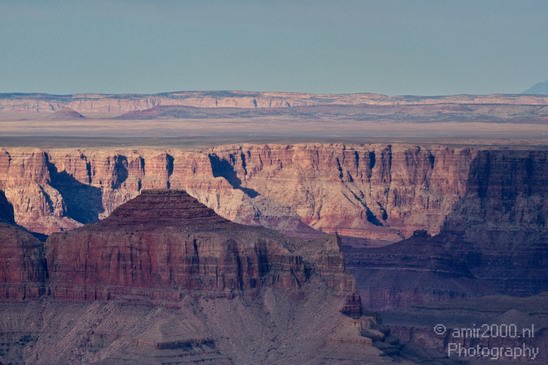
(485, 207)
(500, 223)
(374, 191)
(165, 244)
(504, 191)
(23, 271)
(25, 182)
(495, 240)
(168, 241)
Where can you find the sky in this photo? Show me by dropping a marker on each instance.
(394, 47)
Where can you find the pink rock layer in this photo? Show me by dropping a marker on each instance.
(376, 191)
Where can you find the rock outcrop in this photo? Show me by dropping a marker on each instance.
(499, 225)
(495, 240)
(169, 242)
(163, 245)
(166, 244)
(165, 279)
(23, 271)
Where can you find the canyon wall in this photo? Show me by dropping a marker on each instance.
(165, 242)
(494, 241)
(468, 222)
(482, 213)
(23, 271)
(376, 191)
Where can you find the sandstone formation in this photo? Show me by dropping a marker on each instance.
(165, 279)
(377, 191)
(167, 240)
(23, 270)
(472, 223)
(167, 244)
(119, 104)
(501, 221)
(484, 211)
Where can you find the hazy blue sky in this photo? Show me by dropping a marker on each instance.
(421, 47)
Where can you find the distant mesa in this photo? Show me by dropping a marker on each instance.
(192, 112)
(540, 88)
(166, 112)
(66, 114)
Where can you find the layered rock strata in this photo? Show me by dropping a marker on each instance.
(484, 208)
(495, 240)
(377, 191)
(167, 240)
(23, 271)
(165, 279)
(163, 245)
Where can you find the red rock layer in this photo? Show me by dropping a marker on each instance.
(22, 265)
(164, 244)
(166, 208)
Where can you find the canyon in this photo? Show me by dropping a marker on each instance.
(165, 279)
(131, 231)
(467, 221)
